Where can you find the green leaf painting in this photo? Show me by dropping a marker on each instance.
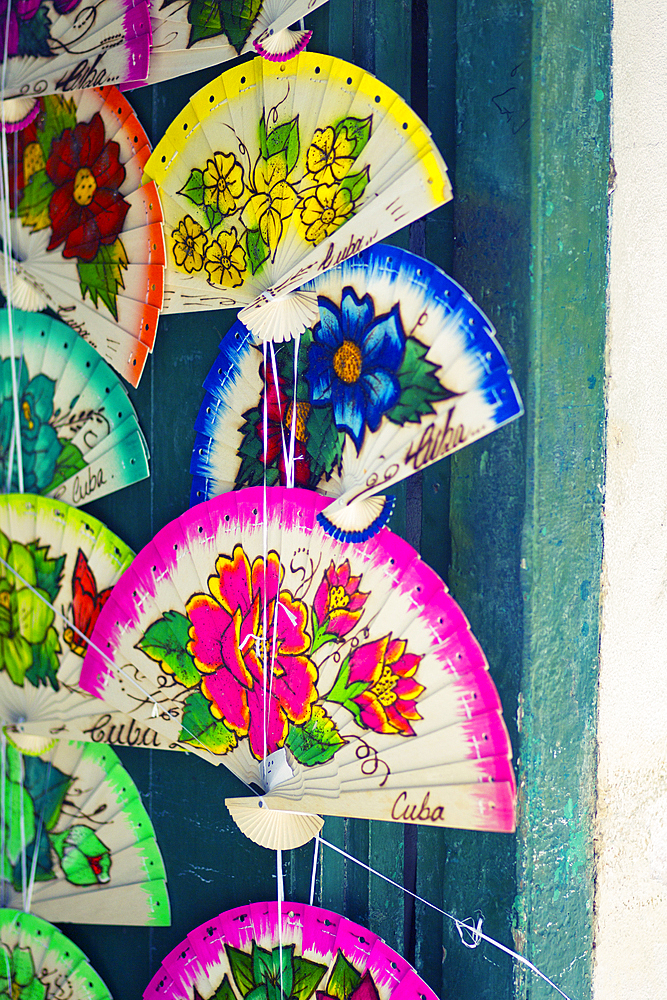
(48, 571)
(193, 189)
(258, 251)
(420, 387)
(307, 977)
(325, 443)
(33, 209)
(233, 18)
(45, 662)
(357, 130)
(282, 139)
(47, 787)
(356, 183)
(201, 728)
(224, 991)
(316, 741)
(103, 276)
(34, 34)
(344, 978)
(241, 965)
(58, 114)
(69, 462)
(166, 642)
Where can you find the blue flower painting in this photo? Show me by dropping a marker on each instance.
(353, 362)
(40, 446)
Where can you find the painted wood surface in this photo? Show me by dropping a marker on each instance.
(517, 97)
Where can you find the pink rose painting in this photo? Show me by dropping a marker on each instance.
(243, 627)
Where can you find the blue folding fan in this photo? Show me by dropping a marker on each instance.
(401, 369)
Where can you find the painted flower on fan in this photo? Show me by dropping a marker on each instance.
(338, 604)
(244, 626)
(223, 183)
(273, 200)
(86, 209)
(84, 858)
(377, 684)
(226, 260)
(18, 978)
(329, 156)
(40, 447)
(189, 245)
(325, 210)
(353, 362)
(280, 416)
(25, 617)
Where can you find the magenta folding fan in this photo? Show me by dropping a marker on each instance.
(308, 951)
(339, 678)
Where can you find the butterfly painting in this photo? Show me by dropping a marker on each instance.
(85, 607)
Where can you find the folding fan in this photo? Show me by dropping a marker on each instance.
(85, 237)
(274, 173)
(37, 962)
(80, 437)
(58, 46)
(191, 34)
(67, 562)
(339, 678)
(86, 833)
(307, 951)
(401, 369)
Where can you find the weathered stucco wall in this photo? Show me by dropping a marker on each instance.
(631, 952)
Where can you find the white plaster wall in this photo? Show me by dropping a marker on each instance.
(631, 948)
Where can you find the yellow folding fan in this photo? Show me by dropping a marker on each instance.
(274, 173)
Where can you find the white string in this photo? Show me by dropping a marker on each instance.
(313, 871)
(280, 413)
(292, 436)
(280, 888)
(462, 926)
(107, 659)
(7, 256)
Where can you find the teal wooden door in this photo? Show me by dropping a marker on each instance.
(517, 96)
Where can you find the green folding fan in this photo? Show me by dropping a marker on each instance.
(78, 844)
(37, 962)
(79, 433)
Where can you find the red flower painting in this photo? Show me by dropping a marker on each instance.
(244, 625)
(86, 209)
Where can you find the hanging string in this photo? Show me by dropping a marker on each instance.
(107, 659)
(274, 368)
(313, 871)
(295, 409)
(280, 888)
(474, 931)
(7, 257)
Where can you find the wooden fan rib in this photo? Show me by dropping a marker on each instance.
(477, 806)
